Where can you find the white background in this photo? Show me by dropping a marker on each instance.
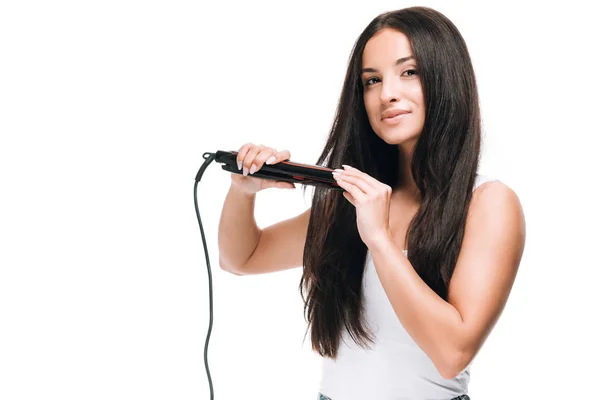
(106, 108)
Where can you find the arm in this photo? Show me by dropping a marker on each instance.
(238, 232)
(244, 249)
(451, 333)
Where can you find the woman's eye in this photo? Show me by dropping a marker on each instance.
(369, 81)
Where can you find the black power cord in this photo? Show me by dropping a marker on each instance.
(209, 157)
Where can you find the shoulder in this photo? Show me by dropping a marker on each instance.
(495, 218)
(492, 196)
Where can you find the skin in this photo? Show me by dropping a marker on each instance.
(390, 86)
(451, 333)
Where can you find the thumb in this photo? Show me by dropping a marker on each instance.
(284, 185)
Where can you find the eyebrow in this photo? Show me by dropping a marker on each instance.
(398, 62)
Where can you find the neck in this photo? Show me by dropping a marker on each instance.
(406, 186)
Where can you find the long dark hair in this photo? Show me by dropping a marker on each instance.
(444, 167)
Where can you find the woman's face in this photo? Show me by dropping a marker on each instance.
(391, 84)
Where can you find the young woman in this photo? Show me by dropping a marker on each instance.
(407, 271)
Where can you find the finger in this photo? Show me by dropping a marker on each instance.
(278, 157)
(261, 158)
(356, 172)
(249, 158)
(241, 155)
(350, 187)
(349, 197)
(357, 181)
(270, 183)
(284, 185)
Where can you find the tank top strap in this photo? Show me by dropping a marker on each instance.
(481, 179)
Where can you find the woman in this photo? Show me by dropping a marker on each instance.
(408, 270)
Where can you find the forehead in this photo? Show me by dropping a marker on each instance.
(385, 47)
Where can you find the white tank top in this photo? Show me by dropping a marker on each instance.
(395, 368)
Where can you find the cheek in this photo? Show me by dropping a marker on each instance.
(417, 95)
(372, 108)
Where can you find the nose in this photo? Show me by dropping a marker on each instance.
(390, 90)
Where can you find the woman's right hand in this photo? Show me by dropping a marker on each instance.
(251, 158)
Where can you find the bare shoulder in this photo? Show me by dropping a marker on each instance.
(496, 198)
(495, 217)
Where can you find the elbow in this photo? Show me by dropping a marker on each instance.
(234, 272)
(224, 266)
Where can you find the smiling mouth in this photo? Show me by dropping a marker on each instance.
(394, 120)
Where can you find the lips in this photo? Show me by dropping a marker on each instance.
(393, 113)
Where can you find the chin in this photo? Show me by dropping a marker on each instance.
(396, 138)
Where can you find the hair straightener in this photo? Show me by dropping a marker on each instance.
(287, 171)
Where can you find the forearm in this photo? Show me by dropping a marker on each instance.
(435, 325)
(238, 232)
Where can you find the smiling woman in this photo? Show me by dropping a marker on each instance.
(383, 85)
(408, 270)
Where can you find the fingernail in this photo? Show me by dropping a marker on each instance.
(245, 171)
(239, 165)
(271, 160)
(343, 165)
(338, 171)
(252, 169)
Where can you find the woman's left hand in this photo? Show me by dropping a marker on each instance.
(371, 199)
